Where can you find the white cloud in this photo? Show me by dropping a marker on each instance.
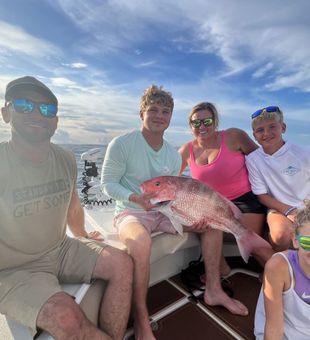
(262, 37)
(265, 43)
(16, 40)
(63, 82)
(299, 80)
(147, 64)
(75, 65)
(97, 114)
(116, 25)
(260, 72)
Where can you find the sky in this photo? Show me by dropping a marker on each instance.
(99, 56)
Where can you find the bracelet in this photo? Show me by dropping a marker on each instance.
(289, 210)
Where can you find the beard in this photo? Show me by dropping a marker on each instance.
(33, 132)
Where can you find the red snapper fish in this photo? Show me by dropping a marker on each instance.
(187, 202)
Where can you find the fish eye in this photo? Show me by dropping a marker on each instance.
(157, 184)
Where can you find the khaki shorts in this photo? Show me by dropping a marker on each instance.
(24, 290)
(153, 221)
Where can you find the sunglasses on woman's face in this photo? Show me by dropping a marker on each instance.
(304, 241)
(196, 123)
(27, 106)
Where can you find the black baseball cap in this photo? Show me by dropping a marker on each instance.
(28, 82)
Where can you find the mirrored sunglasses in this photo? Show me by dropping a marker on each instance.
(27, 106)
(304, 241)
(265, 109)
(196, 123)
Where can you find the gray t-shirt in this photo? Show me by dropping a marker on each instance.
(34, 201)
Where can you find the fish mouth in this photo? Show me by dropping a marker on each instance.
(161, 203)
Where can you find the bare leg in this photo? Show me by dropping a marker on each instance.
(116, 267)
(255, 222)
(211, 245)
(281, 229)
(138, 242)
(64, 320)
(224, 269)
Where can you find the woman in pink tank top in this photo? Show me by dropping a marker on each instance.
(217, 158)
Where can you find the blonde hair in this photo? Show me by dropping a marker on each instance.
(156, 94)
(205, 106)
(276, 115)
(302, 216)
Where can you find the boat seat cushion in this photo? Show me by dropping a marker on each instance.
(90, 303)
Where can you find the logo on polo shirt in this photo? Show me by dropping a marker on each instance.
(291, 170)
(166, 170)
(305, 296)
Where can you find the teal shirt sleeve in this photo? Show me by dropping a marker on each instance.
(113, 169)
(129, 161)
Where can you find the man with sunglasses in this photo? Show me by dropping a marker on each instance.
(279, 173)
(38, 198)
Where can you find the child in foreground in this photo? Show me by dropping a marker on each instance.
(283, 308)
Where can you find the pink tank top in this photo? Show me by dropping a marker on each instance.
(227, 174)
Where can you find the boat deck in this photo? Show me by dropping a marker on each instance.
(173, 312)
(175, 315)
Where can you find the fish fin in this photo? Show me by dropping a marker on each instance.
(249, 241)
(177, 226)
(167, 211)
(244, 249)
(236, 211)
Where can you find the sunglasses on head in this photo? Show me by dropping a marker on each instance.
(196, 123)
(265, 109)
(27, 106)
(304, 241)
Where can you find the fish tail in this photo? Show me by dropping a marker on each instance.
(249, 241)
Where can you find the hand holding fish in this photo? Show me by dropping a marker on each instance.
(144, 200)
(197, 227)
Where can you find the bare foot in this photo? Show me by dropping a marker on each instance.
(220, 298)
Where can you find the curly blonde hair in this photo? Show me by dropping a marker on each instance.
(156, 94)
(302, 216)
